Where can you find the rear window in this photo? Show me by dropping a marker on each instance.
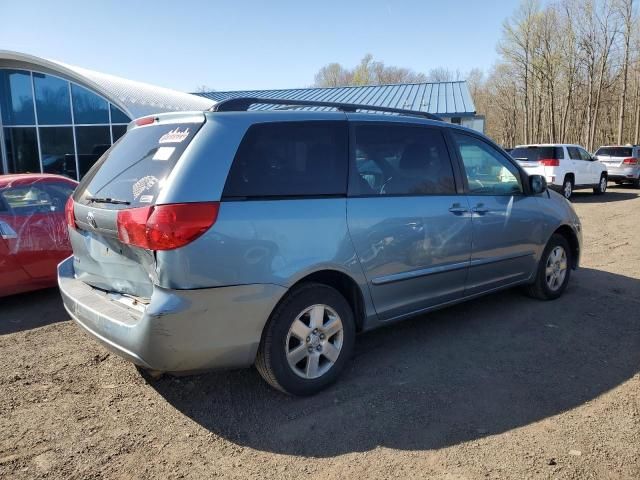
(534, 154)
(134, 169)
(615, 151)
(36, 198)
(290, 159)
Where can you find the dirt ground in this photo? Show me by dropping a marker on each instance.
(502, 387)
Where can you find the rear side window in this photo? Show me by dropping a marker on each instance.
(535, 154)
(616, 151)
(290, 159)
(394, 159)
(135, 168)
(574, 153)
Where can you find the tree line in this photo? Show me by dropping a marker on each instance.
(567, 72)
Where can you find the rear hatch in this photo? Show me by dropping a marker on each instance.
(615, 157)
(127, 179)
(533, 157)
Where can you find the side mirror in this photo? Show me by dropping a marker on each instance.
(538, 184)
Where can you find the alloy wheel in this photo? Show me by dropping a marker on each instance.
(314, 341)
(556, 268)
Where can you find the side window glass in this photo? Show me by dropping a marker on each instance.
(393, 159)
(574, 153)
(488, 172)
(288, 159)
(584, 155)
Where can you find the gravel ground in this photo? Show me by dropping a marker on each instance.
(501, 387)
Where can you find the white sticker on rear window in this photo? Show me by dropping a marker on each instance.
(174, 136)
(146, 199)
(145, 183)
(163, 153)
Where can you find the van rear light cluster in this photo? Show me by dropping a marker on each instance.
(549, 162)
(630, 161)
(69, 213)
(166, 227)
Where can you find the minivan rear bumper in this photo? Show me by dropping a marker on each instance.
(179, 330)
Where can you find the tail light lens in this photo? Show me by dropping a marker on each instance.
(69, 214)
(630, 161)
(166, 227)
(145, 121)
(549, 162)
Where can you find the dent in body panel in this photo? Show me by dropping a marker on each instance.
(267, 242)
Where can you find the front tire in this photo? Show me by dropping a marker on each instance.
(554, 270)
(602, 185)
(308, 340)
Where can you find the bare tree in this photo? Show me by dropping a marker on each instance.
(626, 8)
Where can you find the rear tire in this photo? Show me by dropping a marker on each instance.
(636, 183)
(554, 270)
(602, 185)
(307, 341)
(567, 187)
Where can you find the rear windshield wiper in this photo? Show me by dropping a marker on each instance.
(114, 201)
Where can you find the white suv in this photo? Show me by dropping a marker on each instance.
(566, 167)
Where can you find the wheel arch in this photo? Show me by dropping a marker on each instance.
(572, 237)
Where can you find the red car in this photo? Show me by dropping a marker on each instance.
(33, 230)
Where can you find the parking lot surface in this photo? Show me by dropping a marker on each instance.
(501, 387)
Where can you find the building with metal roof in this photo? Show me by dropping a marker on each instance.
(449, 100)
(57, 118)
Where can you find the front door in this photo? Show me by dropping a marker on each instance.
(506, 223)
(408, 221)
(580, 166)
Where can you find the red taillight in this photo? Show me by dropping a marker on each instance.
(549, 162)
(630, 161)
(69, 214)
(166, 227)
(145, 121)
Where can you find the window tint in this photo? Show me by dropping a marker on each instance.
(584, 155)
(88, 107)
(616, 151)
(574, 153)
(16, 98)
(52, 100)
(488, 171)
(290, 159)
(118, 131)
(394, 159)
(22, 150)
(535, 154)
(58, 154)
(135, 169)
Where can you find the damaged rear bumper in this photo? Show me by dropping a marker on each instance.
(179, 330)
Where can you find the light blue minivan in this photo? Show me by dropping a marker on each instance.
(234, 237)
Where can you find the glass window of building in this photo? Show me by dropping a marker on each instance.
(88, 107)
(118, 116)
(52, 100)
(118, 131)
(91, 142)
(58, 154)
(22, 150)
(16, 98)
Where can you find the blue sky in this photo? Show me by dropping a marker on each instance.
(241, 44)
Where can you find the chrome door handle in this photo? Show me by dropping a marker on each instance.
(458, 209)
(480, 209)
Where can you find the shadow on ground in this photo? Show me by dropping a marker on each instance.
(467, 372)
(619, 194)
(14, 317)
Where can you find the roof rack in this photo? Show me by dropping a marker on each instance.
(242, 104)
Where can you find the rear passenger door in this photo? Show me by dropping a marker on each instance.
(407, 217)
(580, 167)
(506, 222)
